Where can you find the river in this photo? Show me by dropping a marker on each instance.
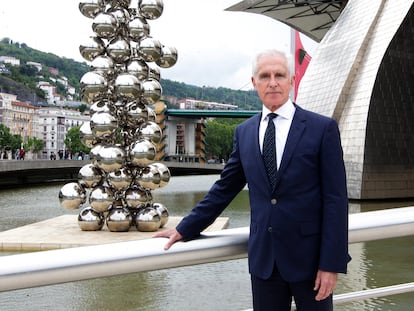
(216, 286)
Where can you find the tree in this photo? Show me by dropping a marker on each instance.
(9, 141)
(34, 145)
(73, 141)
(219, 137)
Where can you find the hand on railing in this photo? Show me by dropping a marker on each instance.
(173, 236)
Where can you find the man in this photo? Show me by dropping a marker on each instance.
(298, 239)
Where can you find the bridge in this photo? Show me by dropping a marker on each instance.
(14, 173)
(205, 113)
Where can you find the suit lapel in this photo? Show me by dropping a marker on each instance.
(296, 130)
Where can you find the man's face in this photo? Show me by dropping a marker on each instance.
(272, 81)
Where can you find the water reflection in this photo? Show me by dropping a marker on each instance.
(217, 286)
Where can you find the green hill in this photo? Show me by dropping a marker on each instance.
(22, 80)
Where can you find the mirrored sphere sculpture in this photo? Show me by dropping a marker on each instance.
(90, 219)
(121, 88)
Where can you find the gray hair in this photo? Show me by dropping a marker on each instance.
(287, 57)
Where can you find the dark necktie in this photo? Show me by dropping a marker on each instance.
(269, 149)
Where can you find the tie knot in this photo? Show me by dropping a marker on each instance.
(271, 116)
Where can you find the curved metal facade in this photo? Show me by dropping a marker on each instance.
(361, 75)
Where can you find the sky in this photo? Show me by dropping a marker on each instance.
(215, 47)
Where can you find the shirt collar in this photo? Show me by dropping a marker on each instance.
(286, 111)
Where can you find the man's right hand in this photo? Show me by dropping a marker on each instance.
(172, 234)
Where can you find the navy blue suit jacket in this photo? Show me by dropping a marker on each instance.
(302, 224)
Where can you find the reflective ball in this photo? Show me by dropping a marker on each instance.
(119, 219)
(101, 198)
(91, 8)
(94, 154)
(138, 29)
(151, 131)
(163, 212)
(138, 68)
(151, 9)
(149, 49)
(102, 105)
(164, 173)
(110, 158)
(142, 152)
(152, 90)
(119, 50)
(103, 65)
(103, 124)
(154, 72)
(127, 86)
(85, 134)
(120, 178)
(137, 197)
(92, 48)
(72, 196)
(147, 220)
(90, 219)
(93, 87)
(137, 113)
(89, 176)
(149, 178)
(105, 25)
(168, 57)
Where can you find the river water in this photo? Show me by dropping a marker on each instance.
(216, 286)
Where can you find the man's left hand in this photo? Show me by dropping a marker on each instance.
(325, 283)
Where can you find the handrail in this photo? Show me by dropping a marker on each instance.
(81, 263)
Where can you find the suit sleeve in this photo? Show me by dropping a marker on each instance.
(334, 245)
(232, 180)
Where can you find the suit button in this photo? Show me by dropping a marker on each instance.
(273, 201)
(269, 229)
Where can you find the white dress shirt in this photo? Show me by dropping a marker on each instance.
(282, 124)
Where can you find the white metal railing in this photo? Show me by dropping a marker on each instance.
(88, 262)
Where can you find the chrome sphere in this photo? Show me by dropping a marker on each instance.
(119, 50)
(151, 9)
(148, 220)
(150, 178)
(94, 154)
(163, 212)
(119, 219)
(92, 48)
(137, 197)
(164, 173)
(150, 49)
(121, 15)
(101, 198)
(138, 68)
(105, 25)
(152, 116)
(89, 176)
(102, 105)
(93, 87)
(90, 219)
(103, 65)
(168, 57)
(72, 196)
(91, 8)
(151, 131)
(127, 86)
(120, 178)
(103, 124)
(152, 90)
(137, 113)
(138, 29)
(142, 152)
(154, 72)
(110, 158)
(86, 135)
